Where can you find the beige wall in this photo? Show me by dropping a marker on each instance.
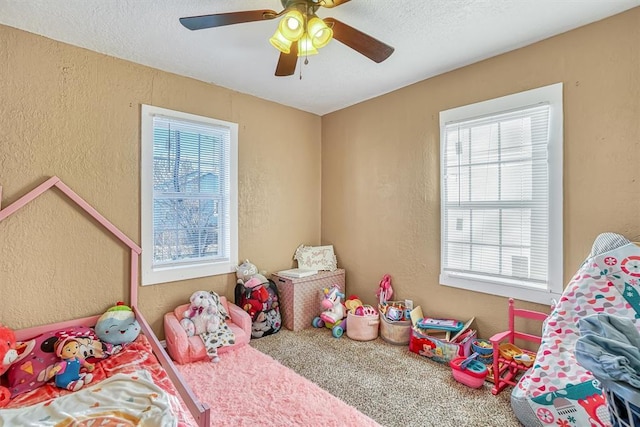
(380, 164)
(74, 113)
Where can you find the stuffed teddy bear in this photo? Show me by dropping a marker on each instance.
(202, 316)
(247, 271)
(118, 325)
(8, 355)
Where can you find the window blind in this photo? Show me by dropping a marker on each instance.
(191, 192)
(496, 197)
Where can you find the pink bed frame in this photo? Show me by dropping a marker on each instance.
(200, 411)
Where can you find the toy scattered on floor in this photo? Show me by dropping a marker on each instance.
(395, 311)
(484, 350)
(440, 324)
(118, 325)
(334, 314)
(385, 290)
(67, 373)
(512, 352)
(468, 371)
(8, 355)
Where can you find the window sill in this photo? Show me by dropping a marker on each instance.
(539, 296)
(158, 275)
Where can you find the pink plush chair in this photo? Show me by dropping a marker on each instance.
(185, 349)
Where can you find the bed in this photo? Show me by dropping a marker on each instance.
(557, 390)
(136, 386)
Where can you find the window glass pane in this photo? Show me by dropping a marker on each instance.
(459, 256)
(516, 181)
(515, 139)
(516, 262)
(485, 259)
(451, 190)
(484, 144)
(484, 183)
(486, 226)
(459, 225)
(189, 165)
(516, 226)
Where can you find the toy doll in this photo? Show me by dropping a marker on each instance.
(67, 372)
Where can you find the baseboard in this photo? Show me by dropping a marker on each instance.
(163, 343)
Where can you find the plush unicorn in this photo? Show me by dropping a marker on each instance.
(332, 305)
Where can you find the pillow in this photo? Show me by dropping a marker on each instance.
(36, 357)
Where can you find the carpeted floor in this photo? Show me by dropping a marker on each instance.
(388, 383)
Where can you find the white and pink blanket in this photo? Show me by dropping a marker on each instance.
(122, 400)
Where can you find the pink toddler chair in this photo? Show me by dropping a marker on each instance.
(184, 349)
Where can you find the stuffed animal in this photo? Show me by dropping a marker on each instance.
(67, 373)
(202, 316)
(247, 271)
(118, 325)
(8, 355)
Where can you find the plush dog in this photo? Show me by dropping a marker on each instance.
(202, 315)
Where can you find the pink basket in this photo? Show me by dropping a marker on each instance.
(362, 328)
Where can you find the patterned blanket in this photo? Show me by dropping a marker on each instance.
(557, 391)
(122, 400)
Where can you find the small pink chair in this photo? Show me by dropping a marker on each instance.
(185, 349)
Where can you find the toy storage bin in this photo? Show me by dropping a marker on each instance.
(397, 333)
(623, 403)
(300, 298)
(473, 375)
(362, 328)
(441, 350)
(485, 354)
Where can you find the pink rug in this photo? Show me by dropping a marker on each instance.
(249, 388)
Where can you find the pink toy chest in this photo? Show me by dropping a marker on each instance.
(300, 298)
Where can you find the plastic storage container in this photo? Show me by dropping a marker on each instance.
(362, 328)
(395, 332)
(484, 349)
(473, 375)
(623, 403)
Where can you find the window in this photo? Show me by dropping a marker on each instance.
(189, 196)
(501, 195)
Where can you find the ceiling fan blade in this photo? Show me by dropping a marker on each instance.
(357, 40)
(332, 3)
(287, 62)
(222, 19)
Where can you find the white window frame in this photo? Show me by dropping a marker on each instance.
(551, 95)
(154, 275)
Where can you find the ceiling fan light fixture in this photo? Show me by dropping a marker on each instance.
(319, 32)
(306, 47)
(292, 25)
(280, 42)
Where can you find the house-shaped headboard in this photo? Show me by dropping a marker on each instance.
(54, 181)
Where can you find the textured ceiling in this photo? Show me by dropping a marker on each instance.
(429, 36)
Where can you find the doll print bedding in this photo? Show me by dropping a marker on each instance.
(127, 365)
(557, 391)
(37, 357)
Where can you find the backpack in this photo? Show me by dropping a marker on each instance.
(262, 302)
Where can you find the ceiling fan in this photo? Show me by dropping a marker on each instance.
(300, 32)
